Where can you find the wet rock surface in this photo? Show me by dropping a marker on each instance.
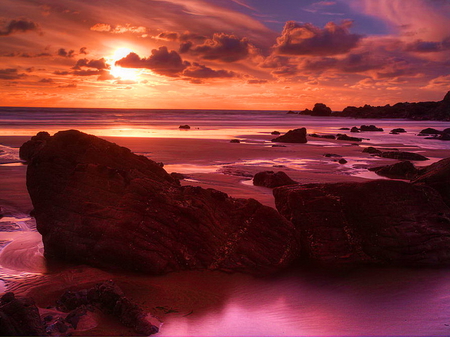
(97, 203)
(402, 170)
(383, 222)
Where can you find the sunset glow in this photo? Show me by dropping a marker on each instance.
(246, 54)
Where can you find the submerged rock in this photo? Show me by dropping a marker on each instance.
(271, 179)
(185, 127)
(98, 203)
(345, 137)
(383, 222)
(370, 128)
(401, 155)
(292, 136)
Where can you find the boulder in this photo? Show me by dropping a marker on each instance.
(321, 109)
(271, 179)
(372, 150)
(19, 317)
(275, 133)
(292, 136)
(342, 161)
(345, 137)
(402, 170)
(354, 129)
(397, 131)
(185, 127)
(370, 128)
(98, 203)
(237, 141)
(429, 131)
(383, 222)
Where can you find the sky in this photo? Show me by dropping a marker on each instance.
(223, 54)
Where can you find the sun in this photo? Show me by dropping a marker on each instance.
(127, 74)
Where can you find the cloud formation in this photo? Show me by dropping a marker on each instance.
(307, 39)
(222, 47)
(161, 61)
(10, 74)
(20, 25)
(98, 64)
(201, 71)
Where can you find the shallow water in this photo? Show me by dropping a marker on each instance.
(371, 302)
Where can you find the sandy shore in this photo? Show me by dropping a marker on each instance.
(209, 163)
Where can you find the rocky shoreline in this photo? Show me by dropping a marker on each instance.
(438, 111)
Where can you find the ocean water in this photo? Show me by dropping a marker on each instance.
(365, 302)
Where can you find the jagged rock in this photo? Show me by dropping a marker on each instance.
(370, 128)
(345, 137)
(271, 179)
(401, 170)
(437, 176)
(97, 203)
(401, 155)
(383, 222)
(19, 317)
(292, 136)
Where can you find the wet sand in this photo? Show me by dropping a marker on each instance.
(185, 300)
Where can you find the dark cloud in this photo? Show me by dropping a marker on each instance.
(202, 71)
(188, 36)
(10, 74)
(87, 72)
(25, 55)
(97, 64)
(185, 47)
(421, 46)
(71, 85)
(257, 81)
(64, 53)
(223, 47)
(307, 39)
(59, 72)
(21, 25)
(46, 80)
(161, 62)
(83, 50)
(168, 36)
(320, 64)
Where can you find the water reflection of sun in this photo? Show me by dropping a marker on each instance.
(128, 74)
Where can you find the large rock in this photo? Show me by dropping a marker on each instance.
(272, 179)
(437, 176)
(97, 203)
(321, 109)
(378, 222)
(292, 136)
(401, 170)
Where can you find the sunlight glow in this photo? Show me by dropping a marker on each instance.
(127, 74)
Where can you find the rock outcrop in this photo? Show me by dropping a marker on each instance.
(98, 203)
(292, 136)
(271, 179)
(417, 111)
(382, 222)
(437, 176)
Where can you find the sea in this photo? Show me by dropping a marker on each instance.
(296, 302)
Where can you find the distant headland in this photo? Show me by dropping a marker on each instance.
(439, 111)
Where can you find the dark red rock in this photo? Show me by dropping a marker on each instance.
(370, 128)
(271, 179)
(342, 161)
(397, 131)
(275, 133)
(354, 129)
(19, 317)
(437, 176)
(372, 150)
(429, 131)
(384, 222)
(235, 141)
(345, 137)
(97, 203)
(320, 109)
(402, 170)
(292, 136)
(401, 155)
(185, 127)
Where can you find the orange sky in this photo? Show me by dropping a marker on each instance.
(223, 54)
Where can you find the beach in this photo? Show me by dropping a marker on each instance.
(298, 301)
